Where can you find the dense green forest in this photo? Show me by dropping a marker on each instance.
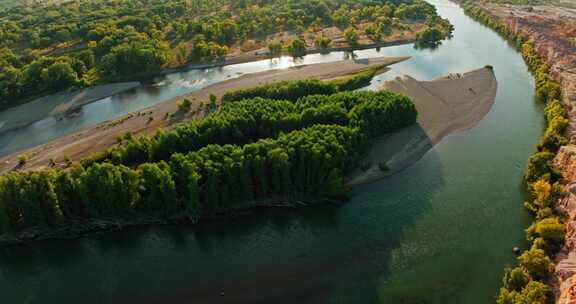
(46, 48)
(233, 119)
(528, 281)
(250, 151)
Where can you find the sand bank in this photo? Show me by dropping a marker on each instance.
(446, 105)
(147, 121)
(57, 104)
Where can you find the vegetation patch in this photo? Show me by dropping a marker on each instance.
(527, 283)
(50, 46)
(251, 152)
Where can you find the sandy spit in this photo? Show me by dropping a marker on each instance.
(447, 105)
(147, 121)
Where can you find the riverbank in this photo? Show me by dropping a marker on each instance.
(446, 105)
(58, 105)
(263, 55)
(411, 238)
(542, 33)
(83, 143)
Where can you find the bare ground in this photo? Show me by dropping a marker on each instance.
(446, 105)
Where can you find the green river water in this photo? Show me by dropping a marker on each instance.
(439, 232)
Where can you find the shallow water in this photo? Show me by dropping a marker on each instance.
(438, 232)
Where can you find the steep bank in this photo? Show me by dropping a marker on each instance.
(447, 105)
(550, 29)
(147, 121)
(543, 35)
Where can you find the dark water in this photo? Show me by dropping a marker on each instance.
(438, 232)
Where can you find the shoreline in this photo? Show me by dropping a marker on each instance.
(84, 142)
(251, 57)
(549, 50)
(445, 106)
(59, 104)
(148, 77)
(432, 133)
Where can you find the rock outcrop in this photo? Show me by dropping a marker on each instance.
(565, 269)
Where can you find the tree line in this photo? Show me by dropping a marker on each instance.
(252, 151)
(527, 282)
(268, 106)
(46, 48)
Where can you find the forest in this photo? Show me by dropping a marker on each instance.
(249, 152)
(47, 48)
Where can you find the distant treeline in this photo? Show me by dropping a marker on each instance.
(47, 47)
(250, 152)
(292, 90)
(527, 283)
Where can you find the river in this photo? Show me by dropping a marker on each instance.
(439, 232)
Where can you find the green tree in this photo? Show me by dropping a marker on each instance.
(552, 232)
(157, 190)
(351, 36)
(297, 48)
(430, 37)
(59, 76)
(275, 49)
(536, 263)
(322, 42)
(515, 279)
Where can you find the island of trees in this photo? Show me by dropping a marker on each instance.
(46, 48)
(288, 142)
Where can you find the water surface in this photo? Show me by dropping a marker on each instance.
(438, 232)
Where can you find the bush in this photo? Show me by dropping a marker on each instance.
(536, 263)
(297, 48)
(540, 167)
(515, 279)
(275, 49)
(542, 191)
(185, 105)
(533, 293)
(431, 37)
(22, 159)
(552, 232)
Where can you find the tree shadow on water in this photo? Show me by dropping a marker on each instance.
(316, 254)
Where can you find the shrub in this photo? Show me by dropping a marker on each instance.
(536, 263)
(552, 232)
(533, 293)
(185, 105)
(22, 159)
(515, 279)
(540, 167)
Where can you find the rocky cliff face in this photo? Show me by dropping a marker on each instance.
(565, 269)
(553, 33)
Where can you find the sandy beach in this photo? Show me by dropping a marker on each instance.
(446, 105)
(147, 121)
